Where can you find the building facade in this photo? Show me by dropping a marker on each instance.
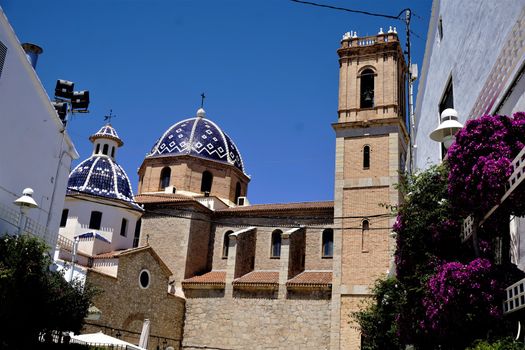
(281, 275)
(34, 143)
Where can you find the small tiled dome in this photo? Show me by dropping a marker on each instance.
(101, 176)
(198, 137)
(108, 132)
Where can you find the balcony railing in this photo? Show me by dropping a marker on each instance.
(515, 297)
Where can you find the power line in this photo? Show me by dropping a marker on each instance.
(286, 221)
(350, 10)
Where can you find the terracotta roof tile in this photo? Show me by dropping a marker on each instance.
(311, 279)
(212, 277)
(280, 207)
(258, 278)
(162, 198)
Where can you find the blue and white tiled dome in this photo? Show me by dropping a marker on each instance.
(100, 175)
(198, 137)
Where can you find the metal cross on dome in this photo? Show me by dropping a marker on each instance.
(110, 116)
(202, 99)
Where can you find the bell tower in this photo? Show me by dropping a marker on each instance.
(371, 143)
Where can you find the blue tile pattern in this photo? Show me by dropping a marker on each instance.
(107, 131)
(198, 137)
(101, 176)
(93, 235)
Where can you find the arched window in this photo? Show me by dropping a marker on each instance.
(366, 157)
(165, 175)
(207, 180)
(105, 149)
(95, 220)
(328, 243)
(226, 244)
(97, 149)
(365, 228)
(276, 244)
(113, 152)
(367, 88)
(237, 191)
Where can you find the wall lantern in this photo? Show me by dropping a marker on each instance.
(448, 128)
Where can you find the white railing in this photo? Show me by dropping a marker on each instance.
(12, 216)
(515, 297)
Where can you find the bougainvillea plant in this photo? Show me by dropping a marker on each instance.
(462, 300)
(480, 163)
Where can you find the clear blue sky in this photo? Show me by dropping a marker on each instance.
(269, 69)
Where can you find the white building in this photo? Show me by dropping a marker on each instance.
(99, 210)
(36, 151)
(474, 62)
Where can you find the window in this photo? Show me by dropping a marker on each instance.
(3, 53)
(123, 227)
(367, 88)
(237, 191)
(97, 149)
(144, 279)
(276, 244)
(105, 149)
(113, 152)
(63, 219)
(328, 243)
(440, 28)
(136, 237)
(207, 180)
(165, 175)
(365, 228)
(95, 220)
(226, 244)
(366, 157)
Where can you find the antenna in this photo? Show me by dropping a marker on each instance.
(202, 99)
(109, 116)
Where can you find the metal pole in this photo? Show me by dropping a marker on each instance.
(412, 121)
(73, 258)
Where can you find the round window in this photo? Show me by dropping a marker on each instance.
(144, 279)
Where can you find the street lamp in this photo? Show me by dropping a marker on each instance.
(446, 131)
(25, 202)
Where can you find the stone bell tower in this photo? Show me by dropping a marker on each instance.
(371, 143)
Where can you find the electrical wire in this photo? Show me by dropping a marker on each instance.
(351, 10)
(284, 221)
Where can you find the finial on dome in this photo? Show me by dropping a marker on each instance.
(201, 113)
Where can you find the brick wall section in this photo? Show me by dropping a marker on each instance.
(313, 251)
(197, 257)
(165, 311)
(365, 255)
(256, 323)
(170, 236)
(297, 253)
(350, 332)
(379, 147)
(186, 175)
(245, 253)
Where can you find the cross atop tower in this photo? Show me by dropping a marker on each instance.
(202, 99)
(109, 116)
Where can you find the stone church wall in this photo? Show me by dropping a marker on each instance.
(256, 323)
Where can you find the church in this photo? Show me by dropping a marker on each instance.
(211, 271)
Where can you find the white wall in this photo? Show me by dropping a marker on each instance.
(112, 215)
(475, 32)
(34, 152)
